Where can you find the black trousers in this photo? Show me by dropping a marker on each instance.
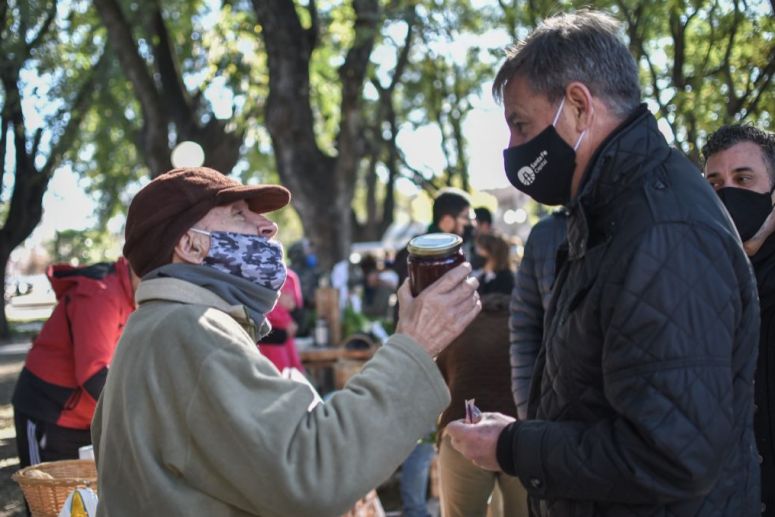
(39, 441)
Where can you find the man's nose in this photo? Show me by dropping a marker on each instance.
(266, 228)
(516, 139)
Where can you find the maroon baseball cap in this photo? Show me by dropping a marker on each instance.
(172, 203)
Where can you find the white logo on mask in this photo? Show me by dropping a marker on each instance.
(526, 175)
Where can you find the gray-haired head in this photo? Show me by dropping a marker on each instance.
(584, 46)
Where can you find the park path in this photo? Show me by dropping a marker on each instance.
(11, 362)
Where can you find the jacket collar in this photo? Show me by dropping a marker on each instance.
(620, 161)
(179, 291)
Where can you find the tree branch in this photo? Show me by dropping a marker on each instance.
(3, 16)
(313, 33)
(288, 115)
(36, 142)
(403, 56)
(726, 64)
(44, 28)
(679, 47)
(172, 89)
(155, 130)
(352, 74)
(3, 149)
(418, 178)
(762, 83)
(78, 110)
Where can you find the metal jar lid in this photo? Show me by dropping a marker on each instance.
(434, 244)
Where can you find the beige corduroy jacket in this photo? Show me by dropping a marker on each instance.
(194, 421)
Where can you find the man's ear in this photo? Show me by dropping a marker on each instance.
(191, 248)
(446, 223)
(580, 100)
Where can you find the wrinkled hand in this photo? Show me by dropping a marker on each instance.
(478, 442)
(752, 245)
(441, 312)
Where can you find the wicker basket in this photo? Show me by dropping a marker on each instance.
(46, 497)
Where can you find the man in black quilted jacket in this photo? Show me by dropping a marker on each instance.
(642, 398)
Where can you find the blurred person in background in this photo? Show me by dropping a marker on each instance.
(452, 213)
(66, 368)
(496, 275)
(279, 346)
(304, 262)
(378, 287)
(483, 220)
(483, 227)
(740, 166)
(476, 366)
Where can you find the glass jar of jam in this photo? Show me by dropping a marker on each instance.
(430, 256)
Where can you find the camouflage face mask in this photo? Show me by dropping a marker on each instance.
(252, 257)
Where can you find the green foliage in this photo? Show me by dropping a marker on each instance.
(353, 322)
(106, 155)
(84, 247)
(703, 63)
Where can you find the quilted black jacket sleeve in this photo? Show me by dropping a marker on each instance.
(670, 314)
(529, 301)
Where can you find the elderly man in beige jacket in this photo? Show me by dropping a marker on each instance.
(194, 421)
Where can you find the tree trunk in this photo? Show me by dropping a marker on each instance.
(5, 328)
(155, 130)
(370, 229)
(322, 185)
(221, 147)
(30, 179)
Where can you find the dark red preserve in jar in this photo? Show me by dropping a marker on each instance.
(430, 256)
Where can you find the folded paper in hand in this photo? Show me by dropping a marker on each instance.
(473, 414)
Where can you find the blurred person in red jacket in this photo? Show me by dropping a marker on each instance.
(279, 346)
(66, 368)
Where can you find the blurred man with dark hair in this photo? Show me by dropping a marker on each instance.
(740, 166)
(483, 227)
(451, 214)
(483, 220)
(476, 366)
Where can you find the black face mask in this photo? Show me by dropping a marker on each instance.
(748, 209)
(543, 167)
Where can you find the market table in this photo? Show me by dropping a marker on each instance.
(331, 367)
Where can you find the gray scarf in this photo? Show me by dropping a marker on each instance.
(234, 290)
